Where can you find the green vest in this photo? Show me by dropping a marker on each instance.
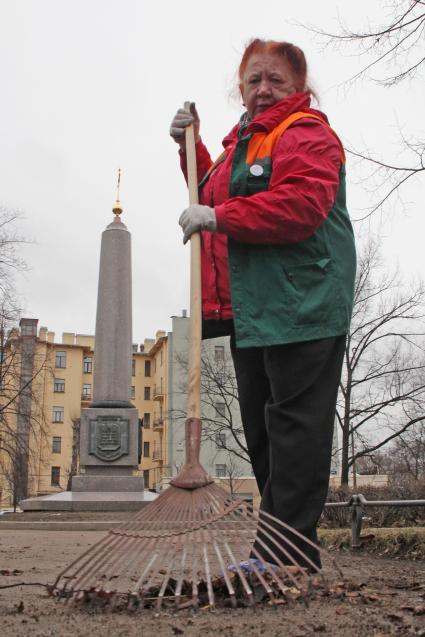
(296, 292)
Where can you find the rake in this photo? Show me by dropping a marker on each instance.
(190, 546)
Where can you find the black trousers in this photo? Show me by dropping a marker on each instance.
(287, 397)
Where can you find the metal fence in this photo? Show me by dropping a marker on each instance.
(358, 504)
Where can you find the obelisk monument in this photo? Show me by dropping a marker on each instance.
(109, 438)
(109, 430)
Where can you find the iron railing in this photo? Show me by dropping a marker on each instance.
(158, 392)
(157, 455)
(358, 504)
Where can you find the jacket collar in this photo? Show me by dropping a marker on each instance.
(269, 119)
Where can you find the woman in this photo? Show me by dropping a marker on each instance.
(278, 268)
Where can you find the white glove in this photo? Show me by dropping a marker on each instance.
(196, 218)
(181, 120)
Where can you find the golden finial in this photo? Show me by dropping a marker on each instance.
(117, 209)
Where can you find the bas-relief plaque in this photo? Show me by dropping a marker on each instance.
(109, 437)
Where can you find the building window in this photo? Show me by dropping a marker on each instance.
(220, 470)
(146, 450)
(55, 477)
(161, 357)
(147, 393)
(59, 385)
(86, 391)
(220, 409)
(87, 365)
(133, 366)
(57, 414)
(219, 353)
(28, 329)
(146, 421)
(56, 444)
(147, 368)
(133, 392)
(146, 478)
(220, 441)
(60, 359)
(220, 378)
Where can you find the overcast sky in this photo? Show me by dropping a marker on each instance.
(91, 85)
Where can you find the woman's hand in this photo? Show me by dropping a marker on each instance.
(181, 120)
(196, 218)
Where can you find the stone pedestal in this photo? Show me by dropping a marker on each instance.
(90, 501)
(109, 451)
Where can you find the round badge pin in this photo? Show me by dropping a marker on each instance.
(256, 170)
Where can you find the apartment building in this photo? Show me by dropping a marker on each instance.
(45, 384)
(150, 396)
(223, 451)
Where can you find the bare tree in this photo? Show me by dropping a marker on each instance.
(390, 53)
(21, 414)
(382, 180)
(373, 463)
(23, 428)
(403, 460)
(234, 474)
(219, 397)
(407, 455)
(75, 452)
(395, 44)
(382, 391)
(10, 260)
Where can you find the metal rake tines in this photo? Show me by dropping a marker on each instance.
(150, 562)
(180, 513)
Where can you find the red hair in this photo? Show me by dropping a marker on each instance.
(293, 55)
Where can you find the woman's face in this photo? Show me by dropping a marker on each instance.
(268, 79)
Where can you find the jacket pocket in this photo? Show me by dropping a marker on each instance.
(311, 290)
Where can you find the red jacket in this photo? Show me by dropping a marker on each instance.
(302, 190)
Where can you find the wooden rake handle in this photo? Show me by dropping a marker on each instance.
(195, 333)
(192, 474)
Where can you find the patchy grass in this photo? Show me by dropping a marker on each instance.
(407, 543)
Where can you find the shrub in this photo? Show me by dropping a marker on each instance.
(378, 516)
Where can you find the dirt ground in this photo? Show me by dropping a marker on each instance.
(380, 597)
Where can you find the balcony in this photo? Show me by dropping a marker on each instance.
(85, 398)
(157, 455)
(158, 424)
(158, 393)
